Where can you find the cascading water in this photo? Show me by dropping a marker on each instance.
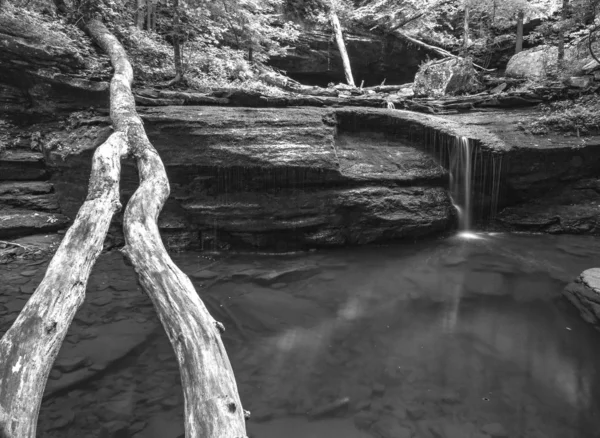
(461, 180)
(476, 174)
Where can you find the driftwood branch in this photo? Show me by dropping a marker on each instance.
(29, 347)
(212, 404)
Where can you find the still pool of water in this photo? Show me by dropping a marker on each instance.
(454, 338)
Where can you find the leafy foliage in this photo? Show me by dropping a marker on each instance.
(219, 39)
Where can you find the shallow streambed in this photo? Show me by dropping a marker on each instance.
(454, 338)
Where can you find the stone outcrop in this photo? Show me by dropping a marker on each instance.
(584, 293)
(549, 183)
(534, 63)
(448, 77)
(28, 204)
(42, 69)
(271, 178)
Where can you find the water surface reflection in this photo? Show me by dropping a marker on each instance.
(455, 338)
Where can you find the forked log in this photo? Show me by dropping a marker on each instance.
(212, 404)
(29, 347)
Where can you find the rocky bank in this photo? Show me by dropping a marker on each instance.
(298, 178)
(279, 179)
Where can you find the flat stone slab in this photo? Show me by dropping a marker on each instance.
(34, 195)
(584, 293)
(22, 165)
(25, 188)
(17, 222)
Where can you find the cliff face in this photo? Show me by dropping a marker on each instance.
(277, 178)
(316, 60)
(273, 178)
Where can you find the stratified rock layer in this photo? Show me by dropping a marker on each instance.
(282, 179)
(550, 182)
(584, 293)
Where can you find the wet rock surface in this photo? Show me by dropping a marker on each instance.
(306, 177)
(550, 182)
(28, 204)
(271, 178)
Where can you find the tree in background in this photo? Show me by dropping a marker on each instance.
(562, 27)
(334, 7)
(251, 26)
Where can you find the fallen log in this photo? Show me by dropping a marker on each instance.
(388, 88)
(28, 349)
(212, 404)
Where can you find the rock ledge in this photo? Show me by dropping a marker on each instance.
(584, 293)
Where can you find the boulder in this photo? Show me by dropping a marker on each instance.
(584, 293)
(447, 77)
(580, 81)
(540, 61)
(534, 63)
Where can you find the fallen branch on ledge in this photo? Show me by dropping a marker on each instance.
(150, 97)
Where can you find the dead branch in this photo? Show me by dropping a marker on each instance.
(29, 347)
(212, 405)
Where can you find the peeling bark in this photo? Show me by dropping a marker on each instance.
(212, 404)
(29, 347)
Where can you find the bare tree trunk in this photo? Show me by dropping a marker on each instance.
(519, 43)
(149, 15)
(561, 32)
(337, 29)
(154, 7)
(28, 349)
(61, 7)
(466, 31)
(212, 404)
(176, 45)
(139, 14)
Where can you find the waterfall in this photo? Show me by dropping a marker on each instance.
(476, 174)
(461, 181)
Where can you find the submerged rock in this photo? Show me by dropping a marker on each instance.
(584, 293)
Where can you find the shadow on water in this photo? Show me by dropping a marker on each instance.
(454, 338)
